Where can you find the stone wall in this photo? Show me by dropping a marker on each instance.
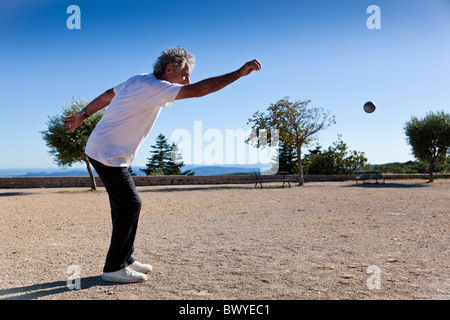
(62, 182)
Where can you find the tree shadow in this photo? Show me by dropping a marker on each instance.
(13, 194)
(394, 185)
(179, 188)
(50, 288)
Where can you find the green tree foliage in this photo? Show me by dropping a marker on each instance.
(337, 159)
(164, 159)
(287, 159)
(413, 167)
(68, 148)
(130, 170)
(297, 125)
(429, 138)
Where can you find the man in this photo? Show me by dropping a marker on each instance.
(133, 108)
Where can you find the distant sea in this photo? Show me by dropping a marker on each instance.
(43, 172)
(81, 172)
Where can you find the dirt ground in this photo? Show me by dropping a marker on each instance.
(325, 240)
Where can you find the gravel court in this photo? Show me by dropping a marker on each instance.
(319, 241)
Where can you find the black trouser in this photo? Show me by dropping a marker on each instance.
(125, 208)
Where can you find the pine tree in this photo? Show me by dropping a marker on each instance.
(287, 158)
(164, 159)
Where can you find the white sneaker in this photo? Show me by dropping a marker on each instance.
(141, 267)
(125, 275)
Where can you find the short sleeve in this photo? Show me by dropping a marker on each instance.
(118, 87)
(145, 91)
(163, 93)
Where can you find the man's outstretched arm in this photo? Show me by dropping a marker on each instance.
(74, 121)
(214, 84)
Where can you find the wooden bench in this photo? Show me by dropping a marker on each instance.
(279, 177)
(368, 175)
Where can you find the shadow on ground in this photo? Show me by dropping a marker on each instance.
(36, 291)
(389, 185)
(13, 194)
(173, 188)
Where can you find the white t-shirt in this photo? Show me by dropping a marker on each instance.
(129, 118)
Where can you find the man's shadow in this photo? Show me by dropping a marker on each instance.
(46, 289)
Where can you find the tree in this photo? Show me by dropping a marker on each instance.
(130, 170)
(287, 158)
(429, 138)
(337, 159)
(164, 160)
(68, 148)
(297, 124)
(403, 168)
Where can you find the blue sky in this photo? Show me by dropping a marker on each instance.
(319, 50)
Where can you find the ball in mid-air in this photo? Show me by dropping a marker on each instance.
(369, 107)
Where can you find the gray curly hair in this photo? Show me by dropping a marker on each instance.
(179, 57)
